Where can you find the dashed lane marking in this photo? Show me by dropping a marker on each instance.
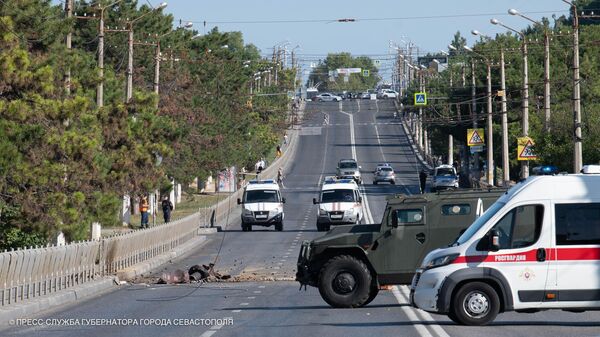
(208, 333)
(244, 304)
(236, 310)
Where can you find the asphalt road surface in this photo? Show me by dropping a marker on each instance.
(265, 301)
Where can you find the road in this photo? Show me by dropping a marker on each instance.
(267, 302)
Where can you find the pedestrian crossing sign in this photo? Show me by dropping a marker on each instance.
(420, 98)
(366, 73)
(526, 149)
(475, 137)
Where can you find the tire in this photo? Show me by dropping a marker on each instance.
(320, 228)
(475, 303)
(372, 294)
(345, 282)
(244, 227)
(374, 183)
(393, 182)
(279, 226)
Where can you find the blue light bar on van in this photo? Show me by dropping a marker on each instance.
(266, 181)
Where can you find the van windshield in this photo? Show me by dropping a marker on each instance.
(476, 226)
(341, 195)
(445, 172)
(261, 196)
(348, 165)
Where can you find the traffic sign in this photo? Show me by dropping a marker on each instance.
(366, 72)
(420, 98)
(526, 149)
(476, 148)
(475, 137)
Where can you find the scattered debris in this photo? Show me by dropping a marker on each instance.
(175, 277)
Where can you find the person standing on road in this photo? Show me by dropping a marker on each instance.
(167, 207)
(144, 212)
(278, 151)
(280, 176)
(285, 138)
(423, 180)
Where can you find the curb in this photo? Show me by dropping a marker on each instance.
(29, 308)
(139, 269)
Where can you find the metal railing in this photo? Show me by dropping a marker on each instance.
(34, 272)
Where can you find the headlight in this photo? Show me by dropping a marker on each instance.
(441, 261)
(277, 210)
(322, 212)
(247, 212)
(349, 211)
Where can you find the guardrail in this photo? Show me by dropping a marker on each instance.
(34, 272)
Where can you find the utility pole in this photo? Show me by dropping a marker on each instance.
(69, 11)
(546, 80)
(577, 150)
(129, 89)
(157, 66)
(474, 113)
(450, 149)
(525, 163)
(100, 88)
(490, 136)
(505, 160)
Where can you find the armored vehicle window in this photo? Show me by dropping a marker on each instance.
(520, 227)
(460, 209)
(410, 216)
(577, 224)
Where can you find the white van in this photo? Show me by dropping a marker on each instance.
(536, 248)
(262, 205)
(340, 203)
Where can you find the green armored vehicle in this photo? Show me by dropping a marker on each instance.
(350, 263)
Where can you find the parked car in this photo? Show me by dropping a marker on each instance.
(327, 97)
(365, 95)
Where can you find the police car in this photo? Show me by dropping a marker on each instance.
(262, 205)
(536, 248)
(340, 203)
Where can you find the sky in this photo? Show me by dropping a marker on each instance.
(378, 22)
(313, 28)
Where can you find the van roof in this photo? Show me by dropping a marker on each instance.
(560, 187)
(268, 184)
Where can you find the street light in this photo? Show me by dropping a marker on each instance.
(505, 158)
(546, 67)
(525, 102)
(157, 55)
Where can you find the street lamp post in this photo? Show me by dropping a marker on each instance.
(546, 67)
(577, 150)
(525, 102)
(157, 56)
(489, 133)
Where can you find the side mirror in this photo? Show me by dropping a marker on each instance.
(315, 201)
(283, 200)
(494, 238)
(394, 219)
(360, 167)
(360, 199)
(239, 201)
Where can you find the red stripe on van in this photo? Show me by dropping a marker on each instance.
(557, 254)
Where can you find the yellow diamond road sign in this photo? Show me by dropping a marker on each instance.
(475, 137)
(526, 149)
(420, 98)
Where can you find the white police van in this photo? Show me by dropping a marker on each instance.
(340, 203)
(536, 248)
(262, 205)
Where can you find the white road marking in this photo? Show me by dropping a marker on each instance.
(236, 310)
(261, 287)
(367, 210)
(244, 304)
(216, 327)
(208, 333)
(421, 329)
(425, 315)
(257, 291)
(251, 297)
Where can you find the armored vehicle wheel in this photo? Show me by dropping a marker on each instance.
(372, 294)
(279, 226)
(475, 303)
(345, 282)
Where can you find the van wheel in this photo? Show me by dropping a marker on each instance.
(372, 294)
(475, 303)
(279, 226)
(374, 183)
(345, 282)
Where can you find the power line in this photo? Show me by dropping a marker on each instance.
(425, 17)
